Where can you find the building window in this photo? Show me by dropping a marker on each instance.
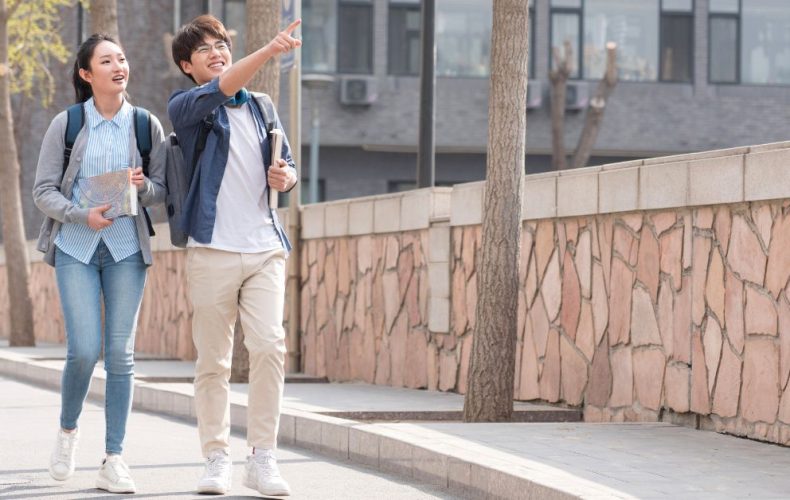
(337, 36)
(677, 40)
(633, 26)
(319, 34)
(463, 37)
(404, 39)
(566, 25)
(723, 49)
(765, 42)
(355, 37)
(749, 42)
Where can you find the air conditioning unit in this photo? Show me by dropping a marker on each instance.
(357, 91)
(577, 96)
(534, 94)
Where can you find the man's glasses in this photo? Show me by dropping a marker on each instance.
(206, 48)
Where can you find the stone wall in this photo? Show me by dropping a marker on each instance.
(649, 290)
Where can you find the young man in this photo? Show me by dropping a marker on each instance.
(237, 247)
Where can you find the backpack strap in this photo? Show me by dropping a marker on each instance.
(142, 131)
(75, 118)
(266, 107)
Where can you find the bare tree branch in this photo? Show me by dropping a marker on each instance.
(559, 81)
(592, 123)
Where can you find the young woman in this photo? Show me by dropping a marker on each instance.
(98, 261)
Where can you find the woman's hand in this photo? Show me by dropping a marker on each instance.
(284, 42)
(138, 179)
(96, 220)
(280, 178)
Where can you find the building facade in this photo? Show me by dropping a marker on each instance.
(694, 75)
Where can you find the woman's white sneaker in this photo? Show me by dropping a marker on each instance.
(61, 462)
(114, 476)
(217, 478)
(263, 475)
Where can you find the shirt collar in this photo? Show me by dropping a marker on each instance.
(94, 118)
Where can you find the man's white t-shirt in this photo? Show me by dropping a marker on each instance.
(244, 221)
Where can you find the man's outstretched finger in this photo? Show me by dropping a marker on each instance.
(291, 27)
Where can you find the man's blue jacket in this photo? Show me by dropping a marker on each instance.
(187, 109)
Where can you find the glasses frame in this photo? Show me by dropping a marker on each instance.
(205, 49)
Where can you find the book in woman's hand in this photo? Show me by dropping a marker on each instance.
(114, 188)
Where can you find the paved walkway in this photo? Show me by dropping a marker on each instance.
(28, 417)
(516, 460)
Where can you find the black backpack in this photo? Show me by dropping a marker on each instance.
(179, 176)
(142, 131)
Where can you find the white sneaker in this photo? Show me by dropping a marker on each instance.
(114, 476)
(217, 478)
(263, 475)
(61, 462)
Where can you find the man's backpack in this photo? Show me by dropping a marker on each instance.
(75, 115)
(179, 175)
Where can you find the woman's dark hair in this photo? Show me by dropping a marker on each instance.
(82, 89)
(191, 35)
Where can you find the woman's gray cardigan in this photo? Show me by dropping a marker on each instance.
(52, 189)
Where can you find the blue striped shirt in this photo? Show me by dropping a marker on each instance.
(107, 150)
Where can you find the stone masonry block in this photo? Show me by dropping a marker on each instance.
(313, 221)
(577, 193)
(466, 207)
(430, 466)
(308, 433)
(618, 190)
(441, 201)
(360, 217)
(767, 175)
(336, 219)
(396, 456)
(439, 243)
(363, 447)
(769, 146)
(540, 196)
(701, 155)
(663, 186)
(415, 210)
(386, 214)
(439, 279)
(439, 314)
(716, 180)
(334, 439)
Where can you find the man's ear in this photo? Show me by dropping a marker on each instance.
(85, 75)
(186, 67)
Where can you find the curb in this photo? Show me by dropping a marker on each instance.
(410, 452)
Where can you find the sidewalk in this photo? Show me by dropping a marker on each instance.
(562, 459)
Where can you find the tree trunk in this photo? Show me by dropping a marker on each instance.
(263, 24)
(104, 17)
(559, 83)
(492, 363)
(17, 264)
(592, 122)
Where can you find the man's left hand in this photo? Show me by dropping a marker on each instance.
(281, 178)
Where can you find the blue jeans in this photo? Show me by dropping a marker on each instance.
(82, 288)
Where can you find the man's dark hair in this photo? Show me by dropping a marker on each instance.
(191, 35)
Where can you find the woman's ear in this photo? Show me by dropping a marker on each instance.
(85, 75)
